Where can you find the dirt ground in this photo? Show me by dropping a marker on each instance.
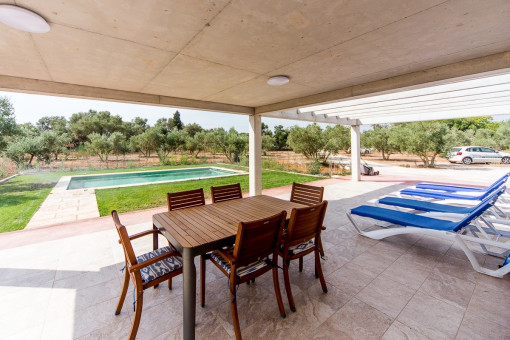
(282, 160)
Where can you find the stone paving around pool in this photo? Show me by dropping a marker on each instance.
(63, 206)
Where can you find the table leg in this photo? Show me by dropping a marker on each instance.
(189, 294)
(154, 238)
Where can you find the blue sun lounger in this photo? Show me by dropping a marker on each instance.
(435, 207)
(444, 211)
(408, 223)
(441, 195)
(454, 188)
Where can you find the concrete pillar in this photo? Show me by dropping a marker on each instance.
(355, 153)
(255, 155)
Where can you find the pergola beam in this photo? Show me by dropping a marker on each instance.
(311, 117)
(437, 115)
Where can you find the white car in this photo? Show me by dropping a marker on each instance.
(477, 154)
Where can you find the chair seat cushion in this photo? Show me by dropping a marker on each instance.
(159, 268)
(299, 248)
(241, 271)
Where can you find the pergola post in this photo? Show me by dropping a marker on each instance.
(255, 150)
(355, 153)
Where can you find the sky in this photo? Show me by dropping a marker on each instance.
(31, 107)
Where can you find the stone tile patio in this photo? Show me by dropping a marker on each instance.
(63, 282)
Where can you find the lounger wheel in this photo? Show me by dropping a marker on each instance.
(505, 160)
(467, 160)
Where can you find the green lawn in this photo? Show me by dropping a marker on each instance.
(150, 196)
(21, 196)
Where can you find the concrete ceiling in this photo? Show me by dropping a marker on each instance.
(217, 55)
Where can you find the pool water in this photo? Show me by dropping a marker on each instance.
(133, 178)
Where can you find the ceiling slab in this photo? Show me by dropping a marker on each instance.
(167, 25)
(220, 52)
(91, 59)
(208, 78)
(26, 64)
(263, 35)
(256, 92)
(432, 36)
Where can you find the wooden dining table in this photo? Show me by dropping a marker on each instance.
(198, 230)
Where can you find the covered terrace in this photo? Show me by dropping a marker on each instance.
(218, 56)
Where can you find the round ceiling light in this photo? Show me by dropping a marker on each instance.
(278, 80)
(23, 19)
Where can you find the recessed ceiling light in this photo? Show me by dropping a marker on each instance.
(278, 80)
(23, 19)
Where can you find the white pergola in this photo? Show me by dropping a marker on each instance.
(485, 94)
(349, 63)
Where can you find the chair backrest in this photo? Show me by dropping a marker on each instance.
(306, 194)
(124, 240)
(226, 192)
(258, 239)
(480, 209)
(499, 182)
(185, 199)
(305, 223)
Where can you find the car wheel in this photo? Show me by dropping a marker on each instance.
(467, 160)
(505, 160)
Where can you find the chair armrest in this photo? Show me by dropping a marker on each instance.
(143, 233)
(229, 258)
(153, 260)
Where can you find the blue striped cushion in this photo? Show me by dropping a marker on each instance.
(241, 271)
(159, 268)
(299, 248)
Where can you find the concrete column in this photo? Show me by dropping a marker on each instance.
(355, 153)
(255, 155)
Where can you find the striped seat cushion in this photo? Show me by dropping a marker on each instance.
(299, 248)
(241, 271)
(159, 268)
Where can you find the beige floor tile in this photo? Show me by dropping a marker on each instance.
(438, 245)
(351, 278)
(490, 303)
(449, 289)
(432, 317)
(422, 257)
(334, 298)
(160, 318)
(399, 331)
(407, 273)
(359, 321)
(474, 327)
(459, 268)
(386, 295)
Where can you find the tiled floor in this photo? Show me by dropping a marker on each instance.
(65, 285)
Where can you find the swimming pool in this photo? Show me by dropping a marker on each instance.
(145, 177)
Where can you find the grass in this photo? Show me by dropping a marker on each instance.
(151, 196)
(20, 198)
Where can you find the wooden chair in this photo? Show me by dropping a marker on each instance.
(307, 195)
(185, 199)
(226, 192)
(188, 199)
(302, 238)
(255, 253)
(145, 270)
